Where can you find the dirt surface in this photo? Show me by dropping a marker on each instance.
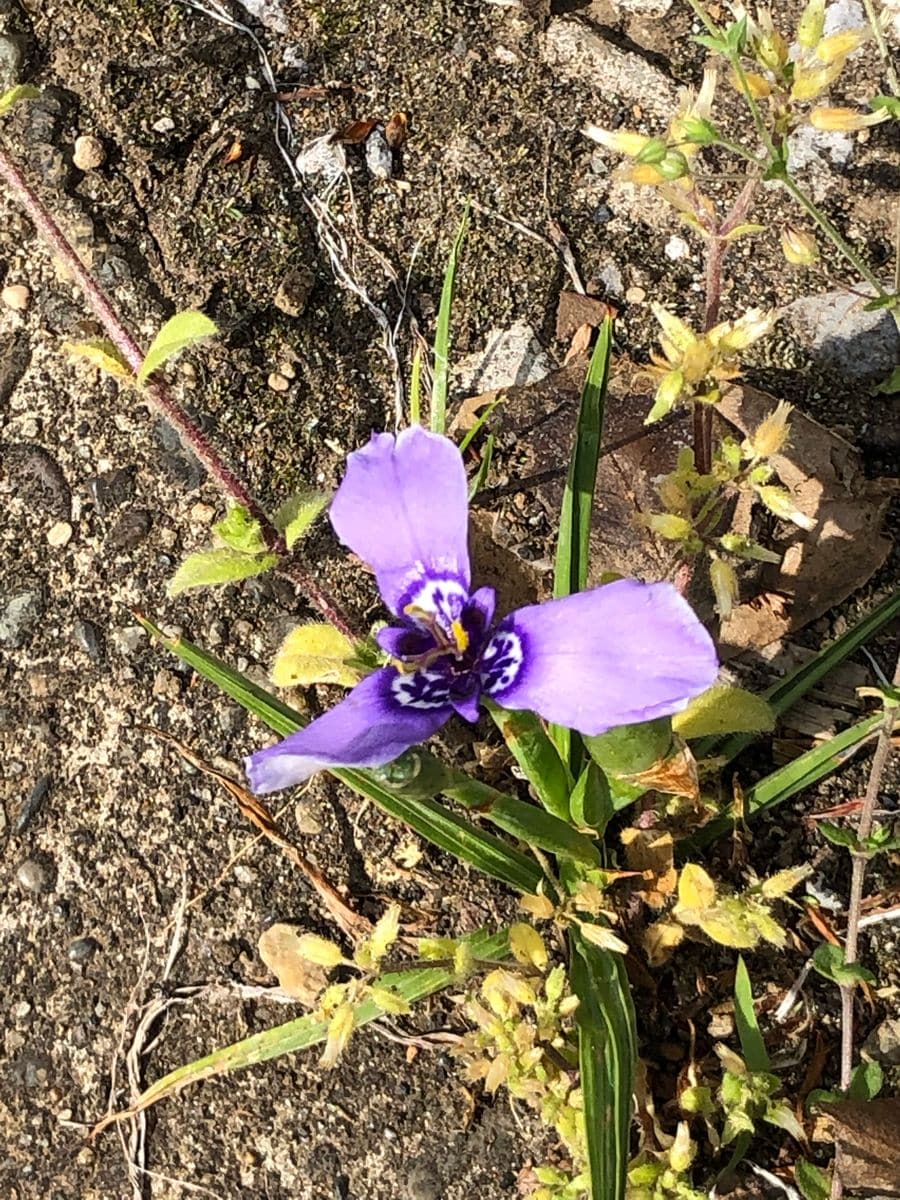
(104, 830)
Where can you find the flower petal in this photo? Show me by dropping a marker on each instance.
(383, 716)
(615, 655)
(403, 508)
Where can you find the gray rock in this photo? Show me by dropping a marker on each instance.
(843, 337)
(33, 876)
(12, 56)
(883, 1043)
(294, 291)
(577, 52)
(129, 530)
(89, 639)
(130, 639)
(511, 357)
(83, 949)
(20, 615)
(33, 804)
(423, 1182)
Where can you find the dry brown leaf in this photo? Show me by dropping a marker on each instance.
(396, 130)
(653, 854)
(298, 977)
(581, 340)
(660, 940)
(355, 132)
(869, 1134)
(575, 310)
(675, 775)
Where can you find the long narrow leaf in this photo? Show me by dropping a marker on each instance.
(573, 544)
(415, 389)
(537, 755)
(306, 1031)
(482, 850)
(754, 1048)
(607, 1056)
(794, 777)
(786, 692)
(442, 333)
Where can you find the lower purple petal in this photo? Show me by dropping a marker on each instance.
(615, 655)
(381, 718)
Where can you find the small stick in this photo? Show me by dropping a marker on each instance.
(851, 945)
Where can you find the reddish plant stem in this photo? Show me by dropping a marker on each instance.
(157, 393)
(860, 861)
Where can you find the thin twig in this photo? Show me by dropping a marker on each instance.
(860, 861)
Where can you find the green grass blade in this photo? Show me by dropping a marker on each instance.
(484, 466)
(573, 544)
(482, 420)
(415, 389)
(537, 755)
(441, 375)
(754, 1048)
(304, 1032)
(792, 778)
(482, 850)
(607, 1056)
(784, 694)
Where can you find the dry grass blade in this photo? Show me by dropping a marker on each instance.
(349, 921)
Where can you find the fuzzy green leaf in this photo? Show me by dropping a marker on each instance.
(296, 515)
(101, 353)
(724, 709)
(241, 532)
(838, 835)
(866, 1082)
(812, 1182)
(211, 568)
(183, 330)
(23, 91)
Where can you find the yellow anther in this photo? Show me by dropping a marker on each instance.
(460, 637)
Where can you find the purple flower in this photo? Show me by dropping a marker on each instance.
(621, 653)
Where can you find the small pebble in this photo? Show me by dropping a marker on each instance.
(278, 383)
(21, 1010)
(32, 876)
(286, 369)
(89, 153)
(635, 295)
(133, 525)
(82, 949)
(130, 639)
(16, 296)
(11, 59)
(59, 534)
(163, 125)
(294, 291)
(202, 513)
(88, 638)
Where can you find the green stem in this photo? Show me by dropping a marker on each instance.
(832, 233)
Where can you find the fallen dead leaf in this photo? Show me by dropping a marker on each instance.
(653, 854)
(574, 310)
(299, 978)
(396, 130)
(675, 775)
(355, 132)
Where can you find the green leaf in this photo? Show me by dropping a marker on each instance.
(538, 828)
(296, 515)
(573, 544)
(439, 385)
(182, 330)
(724, 709)
(437, 824)
(812, 1182)
(415, 389)
(304, 1032)
(752, 1045)
(838, 835)
(23, 91)
(591, 804)
(607, 1057)
(484, 466)
(210, 568)
(828, 960)
(315, 653)
(891, 103)
(100, 352)
(537, 755)
(241, 532)
(630, 749)
(482, 419)
(866, 1082)
(782, 1117)
(891, 385)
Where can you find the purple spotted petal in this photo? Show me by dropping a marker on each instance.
(383, 716)
(621, 653)
(402, 507)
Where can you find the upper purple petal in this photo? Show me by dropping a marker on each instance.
(615, 655)
(382, 717)
(403, 508)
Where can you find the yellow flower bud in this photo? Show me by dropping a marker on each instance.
(682, 1150)
(668, 526)
(812, 24)
(772, 50)
(845, 120)
(799, 247)
(724, 585)
(644, 174)
(809, 83)
(779, 502)
(758, 86)
(623, 141)
(839, 45)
